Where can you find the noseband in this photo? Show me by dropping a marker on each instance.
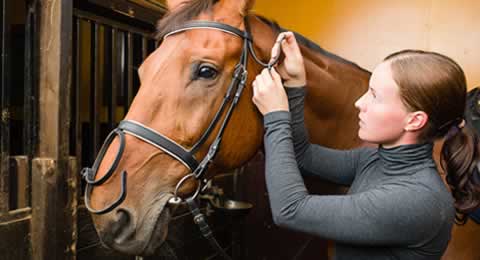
(185, 156)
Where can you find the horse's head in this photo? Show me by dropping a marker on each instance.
(183, 85)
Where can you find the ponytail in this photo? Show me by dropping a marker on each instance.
(460, 160)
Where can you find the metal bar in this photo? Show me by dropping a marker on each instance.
(115, 24)
(5, 107)
(114, 65)
(144, 48)
(123, 71)
(96, 102)
(130, 68)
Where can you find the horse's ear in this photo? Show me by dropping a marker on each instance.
(241, 6)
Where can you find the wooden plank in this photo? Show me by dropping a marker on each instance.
(13, 215)
(5, 105)
(14, 234)
(54, 77)
(78, 85)
(51, 227)
(74, 190)
(45, 204)
(55, 198)
(19, 168)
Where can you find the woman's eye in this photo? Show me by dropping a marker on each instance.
(206, 72)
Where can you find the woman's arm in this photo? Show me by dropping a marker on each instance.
(390, 215)
(337, 166)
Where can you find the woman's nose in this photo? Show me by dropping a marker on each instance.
(359, 102)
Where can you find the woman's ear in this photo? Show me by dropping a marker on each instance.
(416, 121)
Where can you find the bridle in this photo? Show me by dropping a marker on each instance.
(185, 156)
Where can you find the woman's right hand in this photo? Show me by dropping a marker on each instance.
(291, 69)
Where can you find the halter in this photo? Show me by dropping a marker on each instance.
(185, 156)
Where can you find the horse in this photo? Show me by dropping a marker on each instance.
(181, 114)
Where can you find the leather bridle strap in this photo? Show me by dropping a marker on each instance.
(159, 141)
(205, 229)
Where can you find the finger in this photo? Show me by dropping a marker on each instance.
(259, 82)
(276, 77)
(275, 51)
(291, 45)
(267, 78)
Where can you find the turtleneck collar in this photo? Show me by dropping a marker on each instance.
(406, 159)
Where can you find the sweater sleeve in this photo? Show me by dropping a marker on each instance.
(379, 216)
(337, 166)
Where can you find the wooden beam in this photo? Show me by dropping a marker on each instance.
(5, 112)
(55, 77)
(54, 209)
(19, 168)
(52, 190)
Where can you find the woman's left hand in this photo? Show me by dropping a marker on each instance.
(268, 92)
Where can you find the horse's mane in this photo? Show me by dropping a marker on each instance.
(307, 42)
(192, 9)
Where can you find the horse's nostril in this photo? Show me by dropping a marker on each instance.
(123, 216)
(121, 228)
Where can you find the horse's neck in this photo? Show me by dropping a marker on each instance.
(333, 87)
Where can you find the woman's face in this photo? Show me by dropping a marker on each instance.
(382, 114)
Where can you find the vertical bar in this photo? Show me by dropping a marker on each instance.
(20, 168)
(96, 102)
(78, 61)
(144, 47)
(5, 108)
(130, 68)
(45, 179)
(28, 83)
(73, 93)
(51, 224)
(123, 71)
(74, 188)
(113, 97)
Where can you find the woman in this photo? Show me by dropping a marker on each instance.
(397, 206)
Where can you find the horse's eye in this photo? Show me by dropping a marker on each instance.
(206, 72)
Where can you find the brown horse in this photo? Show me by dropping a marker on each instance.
(183, 83)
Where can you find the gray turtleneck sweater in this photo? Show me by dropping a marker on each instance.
(397, 206)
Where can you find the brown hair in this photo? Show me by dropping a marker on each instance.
(435, 84)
